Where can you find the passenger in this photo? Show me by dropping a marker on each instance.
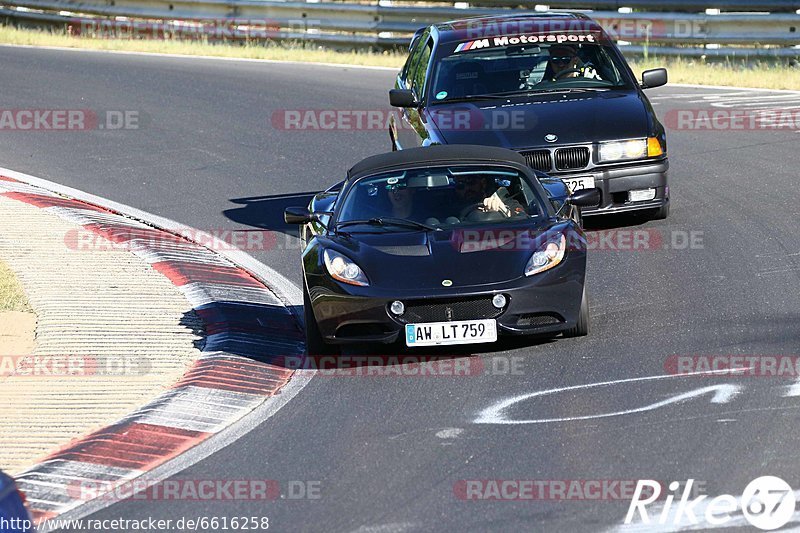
(402, 200)
(565, 63)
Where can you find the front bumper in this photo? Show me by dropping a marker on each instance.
(614, 183)
(544, 303)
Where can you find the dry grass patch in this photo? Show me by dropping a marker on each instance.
(12, 297)
(768, 74)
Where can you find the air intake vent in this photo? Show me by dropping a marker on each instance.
(572, 158)
(539, 160)
(538, 320)
(445, 310)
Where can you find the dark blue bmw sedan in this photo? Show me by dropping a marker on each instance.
(550, 86)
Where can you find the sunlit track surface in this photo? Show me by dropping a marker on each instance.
(414, 453)
(735, 110)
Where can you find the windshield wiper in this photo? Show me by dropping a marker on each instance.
(387, 221)
(473, 97)
(569, 89)
(556, 90)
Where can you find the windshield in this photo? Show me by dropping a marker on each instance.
(495, 66)
(438, 198)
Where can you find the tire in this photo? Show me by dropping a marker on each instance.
(581, 328)
(315, 344)
(661, 213)
(579, 219)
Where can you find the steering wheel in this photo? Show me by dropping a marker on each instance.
(568, 71)
(467, 211)
(478, 213)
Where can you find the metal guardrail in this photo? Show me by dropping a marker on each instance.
(681, 6)
(348, 24)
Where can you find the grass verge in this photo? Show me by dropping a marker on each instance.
(762, 74)
(12, 298)
(755, 73)
(278, 52)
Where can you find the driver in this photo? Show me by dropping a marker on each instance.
(472, 190)
(565, 63)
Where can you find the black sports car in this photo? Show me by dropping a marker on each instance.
(552, 86)
(442, 245)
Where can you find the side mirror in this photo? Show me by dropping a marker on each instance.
(297, 215)
(585, 198)
(654, 78)
(402, 98)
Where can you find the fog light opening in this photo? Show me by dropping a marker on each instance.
(641, 195)
(397, 308)
(499, 301)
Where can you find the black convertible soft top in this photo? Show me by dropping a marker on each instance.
(435, 154)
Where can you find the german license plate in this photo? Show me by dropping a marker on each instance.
(443, 333)
(576, 184)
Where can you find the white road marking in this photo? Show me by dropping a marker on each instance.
(770, 109)
(449, 433)
(794, 389)
(495, 414)
(759, 100)
(760, 105)
(697, 95)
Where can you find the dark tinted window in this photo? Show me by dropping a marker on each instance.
(441, 196)
(413, 59)
(461, 73)
(420, 68)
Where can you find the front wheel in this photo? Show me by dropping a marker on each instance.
(315, 343)
(581, 328)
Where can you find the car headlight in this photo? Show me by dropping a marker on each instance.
(547, 256)
(343, 269)
(629, 150)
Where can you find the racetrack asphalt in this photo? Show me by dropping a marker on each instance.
(390, 453)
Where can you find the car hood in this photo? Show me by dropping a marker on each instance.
(421, 261)
(575, 118)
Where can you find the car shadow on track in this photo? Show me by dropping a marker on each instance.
(269, 334)
(266, 212)
(396, 359)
